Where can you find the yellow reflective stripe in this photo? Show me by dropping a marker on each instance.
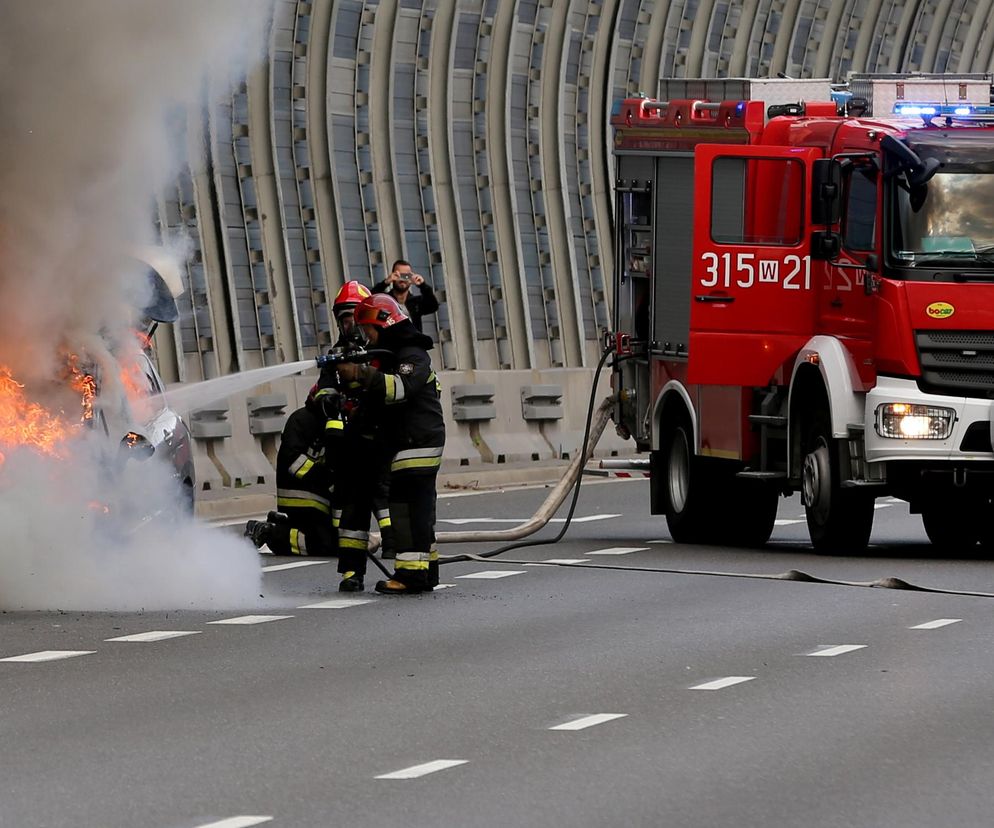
(416, 463)
(384, 522)
(303, 503)
(394, 389)
(302, 494)
(351, 543)
(410, 566)
(305, 467)
(334, 424)
(433, 555)
(297, 464)
(336, 522)
(298, 544)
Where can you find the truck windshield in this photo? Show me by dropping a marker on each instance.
(954, 226)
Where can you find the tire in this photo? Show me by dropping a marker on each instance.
(754, 510)
(684, 487)
(839, 520)
(952, 528)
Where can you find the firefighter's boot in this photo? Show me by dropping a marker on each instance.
(394, 587)
(351, 582)
(259, 531)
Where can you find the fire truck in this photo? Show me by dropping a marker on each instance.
(804, 301)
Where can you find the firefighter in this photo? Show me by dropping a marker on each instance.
(402, 398)
(304, 475)
(361, 487)
(398, 285)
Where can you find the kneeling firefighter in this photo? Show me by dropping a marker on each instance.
(304, 476)
(402, 396)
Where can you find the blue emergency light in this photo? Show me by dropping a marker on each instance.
(957, 110)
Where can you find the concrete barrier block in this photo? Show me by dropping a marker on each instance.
(508, 438)
(461, 436)
(542, 402)
(471, 403)
(267, 413)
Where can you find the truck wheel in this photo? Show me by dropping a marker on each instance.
(839, 520)
(754, 511)
(951, 529)
(684, 485)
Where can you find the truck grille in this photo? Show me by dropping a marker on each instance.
(960, 363)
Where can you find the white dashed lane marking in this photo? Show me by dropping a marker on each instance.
(836, 649)
(338, 603)
(660, 540)
(251, 619)
(619, 550)
(154, 635)
(49, 655)
(934, 625)
(237, 822)
(882, 505)
(589, 721)
(415, 771)
(787, 521)
(492, 574)
(294, 565)
(722, 683)
(444, 586)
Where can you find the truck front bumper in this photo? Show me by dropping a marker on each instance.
(969, 411)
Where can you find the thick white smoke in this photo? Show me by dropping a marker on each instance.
(89, 93)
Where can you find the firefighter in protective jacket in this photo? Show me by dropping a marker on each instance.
(310, 442)
(402, 398)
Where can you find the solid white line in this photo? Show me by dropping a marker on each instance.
(934, 625)
(338, 603)
(492, 574)
(238, 822)
(415, 771)
(251, 619)
(154, 635)
(294, 565)
(589, 721)
(619, 550)
(719, 684)
(838, 649)
(49, 655)
(660, 540)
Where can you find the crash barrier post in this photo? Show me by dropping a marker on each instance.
(266, 418)
(210, 427)
(469, 405)
(509, 437)
(566, 433)
(543, 404)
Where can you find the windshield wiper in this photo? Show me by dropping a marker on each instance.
(954, 259)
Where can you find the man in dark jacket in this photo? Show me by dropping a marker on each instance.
(398, 285)
(304, 477)
(403, 398)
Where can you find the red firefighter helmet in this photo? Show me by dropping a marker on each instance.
(380, 311)
(351, 294)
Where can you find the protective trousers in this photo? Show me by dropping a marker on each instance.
(360, 494)
(412, 515)
(306, 532)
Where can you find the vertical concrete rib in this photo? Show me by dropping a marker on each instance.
(702, 22)
(599, 104)
(556, 129)
(326, 210)
(899, 57)
(784, 37)
(829, 39)
(934, 35)
(381, 86)
(521, 350)
(439, 58)
(652, 48)
(985, 49)
(968, 59)
(867, 33)
(743, 36)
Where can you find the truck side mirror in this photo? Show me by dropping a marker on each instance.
(826, 191)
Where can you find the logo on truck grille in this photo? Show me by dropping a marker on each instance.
(940, 310)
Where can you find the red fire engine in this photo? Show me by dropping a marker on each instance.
(805, 301)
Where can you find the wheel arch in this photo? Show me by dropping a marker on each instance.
(824, 375)
(673, 399)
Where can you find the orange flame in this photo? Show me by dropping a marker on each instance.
(24, 423)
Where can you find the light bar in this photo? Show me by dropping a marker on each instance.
(957, 110)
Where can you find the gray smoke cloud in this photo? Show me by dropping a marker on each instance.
(89, 94)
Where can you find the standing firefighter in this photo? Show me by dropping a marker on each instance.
(361, 489)
(304, 476)
(402, 398)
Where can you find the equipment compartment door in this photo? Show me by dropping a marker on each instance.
(752, 292)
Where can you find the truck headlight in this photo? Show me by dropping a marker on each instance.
(906, 421)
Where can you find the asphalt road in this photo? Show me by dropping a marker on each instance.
(529, 696)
